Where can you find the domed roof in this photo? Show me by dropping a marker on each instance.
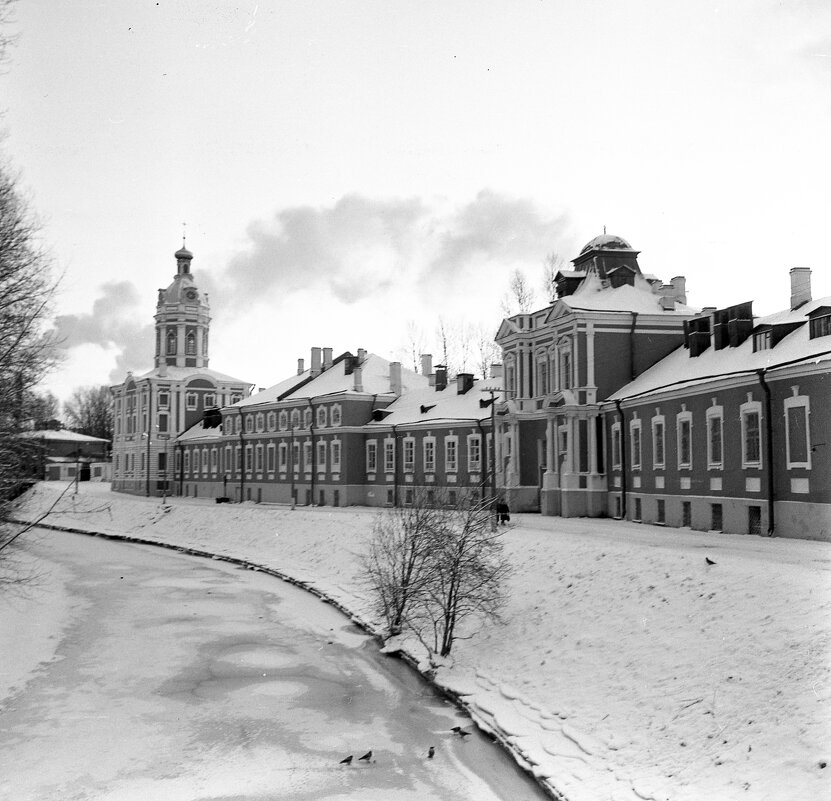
(606, 242)
(183, 253)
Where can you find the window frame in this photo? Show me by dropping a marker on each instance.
(617, 449)
(429, 463)
(798, 402)
(474, 453)
(713, 414)
(659, 420)
(408, 449)
(682, 419)
(746, 410)
(371, 454)
(636, 428)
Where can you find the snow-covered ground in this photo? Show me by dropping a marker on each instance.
(626, 666)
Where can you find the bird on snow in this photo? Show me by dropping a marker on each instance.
(347, 761)
(460, 731)
(431, 752)
(708, 560)
(366, 757)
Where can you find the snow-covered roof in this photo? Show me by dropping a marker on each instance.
(444, 406)
(184, 373)
(196, 432)
(61, 436)
(679, 369)
(375, 380)
(592, 295)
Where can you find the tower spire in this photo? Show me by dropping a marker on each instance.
(185, 225)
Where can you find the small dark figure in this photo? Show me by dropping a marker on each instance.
(456, 729)
(503, 513)
(460, 731)
(366, 757)
(347, 761)
(431, 752)
(708, 560)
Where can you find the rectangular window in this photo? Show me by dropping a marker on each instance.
(335, 454)
(474, 453)
(269, 459)
(210, 400)
(820, 327)
(658, 450)
(751, 438)
(754, 520)
(213, 460)
(715, 451)
(409, 455)
(761, 340)
(249, 458)
(429, 455)
(204, 460)
(190, 400)
(450, 454)
(307, 456)
(187, 461)
(408, 496)
(637, 512)
(797, 436)
(635, 431)
(295, 465)
(283, 455)
(163, 423)
(684, 440)
(371, 456)
(616, 446)
(164, 400)
(389, 455)
(716, 523)
(162, 463)
(238, 458)
(321, 456)
(259, 458)
(686, 513)
(662, 511)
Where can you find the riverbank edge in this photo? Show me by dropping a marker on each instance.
(368, 628)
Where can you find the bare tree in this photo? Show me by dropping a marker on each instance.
(519, 299)
(89, 411)
(415, 344)
(433, 567)
(444, 337)
(399, 562)
(466, 581)
(551, 265)
(486, 349)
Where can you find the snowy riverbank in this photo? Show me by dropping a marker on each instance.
(627, 667)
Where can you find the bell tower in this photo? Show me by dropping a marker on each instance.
(182, 319)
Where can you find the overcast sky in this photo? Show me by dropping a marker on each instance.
(347, 167)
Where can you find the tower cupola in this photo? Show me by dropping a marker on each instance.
(182, 319)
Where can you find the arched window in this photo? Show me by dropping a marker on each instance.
(295, 418)
(510, 375)
(190, 344)
(171, 343)
(321, 416)
(307, 418)
(271, 419)
(284, 420)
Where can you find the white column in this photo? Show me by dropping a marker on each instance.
(550, 439)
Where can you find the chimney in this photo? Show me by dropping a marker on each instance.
(464, 383)
(800, 286)
(426, 363)
(327, 358)
(496, 371)
(300, 367)
(315, 361)
(441, 377)
(667, 303)
(679, 284)
(357, 374)
(395, 378)
(361, 355)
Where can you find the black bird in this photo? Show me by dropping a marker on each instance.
(460, 731)
(366, 757)
(431, 752)
(347, 761)
(708, 560)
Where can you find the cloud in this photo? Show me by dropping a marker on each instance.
(353, 249)
(359, 247)
(112, 325)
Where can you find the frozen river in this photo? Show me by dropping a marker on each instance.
(182, 678)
